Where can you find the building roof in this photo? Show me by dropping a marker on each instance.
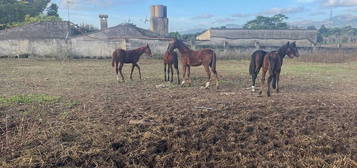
(123, 31)
(59, 30)
(296, 34)
(38, 30)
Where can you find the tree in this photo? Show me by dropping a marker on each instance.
(14, 11)
(273, 22)
(87, 28)
(323, 30)
(311, 28)
(52, 10)
(29, 19)
(175, 35)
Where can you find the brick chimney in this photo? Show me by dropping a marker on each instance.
(103, 22)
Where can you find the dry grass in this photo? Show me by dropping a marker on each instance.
(86, 119)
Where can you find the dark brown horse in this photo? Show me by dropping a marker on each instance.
(273, 62)
(121, 57)
(171, 58)
(256, 63)
(205, 57)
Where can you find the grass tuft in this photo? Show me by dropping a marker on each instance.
(28, 99)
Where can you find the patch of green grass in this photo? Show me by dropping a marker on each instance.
(72, 103)
(28, 99)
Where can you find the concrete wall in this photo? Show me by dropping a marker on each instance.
(94, 48)
(75, 48)
(49, 48)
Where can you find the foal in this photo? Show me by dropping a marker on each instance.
(121, 57)
(170, 58)
(273, 62)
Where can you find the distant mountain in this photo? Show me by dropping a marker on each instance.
(193, 31)
(235, 26)
(337, 21)
(200, 30)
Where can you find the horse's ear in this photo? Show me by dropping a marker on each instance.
(147, 45)
(288, 43)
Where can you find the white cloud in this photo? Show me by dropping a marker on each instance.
(203, 16)
(242, 15)
(339, 3)
(275, 11)
(305, 1)
(223, 20)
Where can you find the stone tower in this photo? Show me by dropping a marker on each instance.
(159, 23)
(103, 22)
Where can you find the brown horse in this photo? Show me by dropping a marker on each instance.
(256, 63)
(205, 57)
(121, 57)
(170, 58)
(273, 62)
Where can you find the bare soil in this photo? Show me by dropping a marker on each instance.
(98, 122)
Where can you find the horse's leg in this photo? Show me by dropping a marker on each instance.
(117, 70)
(263, 79)
(168, 72)
(178, 74)
(120, 70)
(208, 75)
(216, 76)
(188, 74)
(277, 82)
(270, 78)
(132, 70)
(165, 71)
(254, 77)
(172, 73)
(184, 75)
(139, 70)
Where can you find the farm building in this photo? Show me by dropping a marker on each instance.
(248, 38)
(55, 40)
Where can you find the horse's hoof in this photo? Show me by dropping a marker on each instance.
(253, 88)
(183, 83)
(207, 85)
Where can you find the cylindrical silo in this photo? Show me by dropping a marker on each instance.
(159, 20)
(152, 11)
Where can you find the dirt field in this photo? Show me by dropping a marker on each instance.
(75, 114)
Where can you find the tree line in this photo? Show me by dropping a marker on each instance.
(278, 22)
(20, 12)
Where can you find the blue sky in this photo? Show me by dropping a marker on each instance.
(193, 14)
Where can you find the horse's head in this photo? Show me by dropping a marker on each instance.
(294, 50)
(173, 45)
(148, 50)
(291, 49)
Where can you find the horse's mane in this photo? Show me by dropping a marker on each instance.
(183, 45)
(282, 49)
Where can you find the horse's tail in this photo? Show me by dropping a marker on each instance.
(252, 65)
(213, 62)
(114, 56)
